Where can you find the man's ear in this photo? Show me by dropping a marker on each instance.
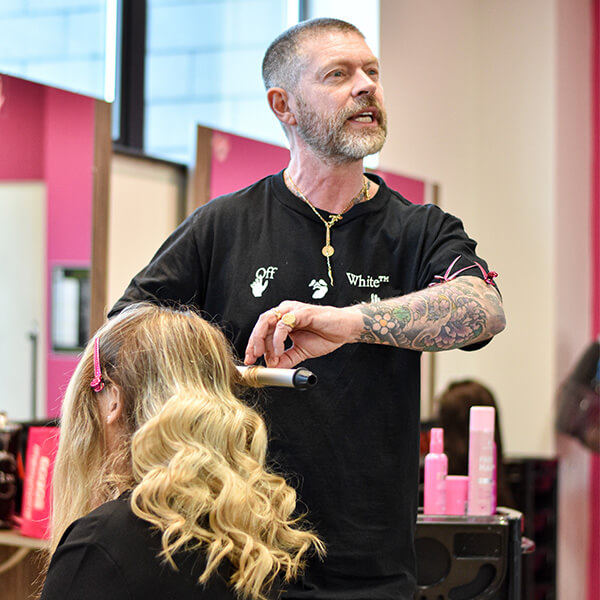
(279, 102)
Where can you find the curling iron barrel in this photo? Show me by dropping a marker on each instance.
(300, 379)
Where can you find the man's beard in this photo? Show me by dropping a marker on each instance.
(331, 137)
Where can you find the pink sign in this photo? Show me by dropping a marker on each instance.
(42, 445)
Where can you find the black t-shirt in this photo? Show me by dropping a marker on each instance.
(350, 444)
(111, 554)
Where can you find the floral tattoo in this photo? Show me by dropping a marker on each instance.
(439, 318)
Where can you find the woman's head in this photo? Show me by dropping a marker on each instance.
(149, 353)
(458, 398)
(145, 355)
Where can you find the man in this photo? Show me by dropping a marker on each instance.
(312, 250)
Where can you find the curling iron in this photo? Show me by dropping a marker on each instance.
(300, 379)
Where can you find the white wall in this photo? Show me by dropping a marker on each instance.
(22, 272)
(491, 100)
(471, 91)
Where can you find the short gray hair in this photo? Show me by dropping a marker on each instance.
(281, 65)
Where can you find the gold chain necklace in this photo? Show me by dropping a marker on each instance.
(328, 250)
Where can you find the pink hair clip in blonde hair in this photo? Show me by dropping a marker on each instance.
(97, 382)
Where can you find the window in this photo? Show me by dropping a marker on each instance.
(168, 65)
(203, 65)
(63, 43)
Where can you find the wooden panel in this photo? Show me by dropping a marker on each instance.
(200, 189)
(146, 199)
(100, 207)
(24, 579)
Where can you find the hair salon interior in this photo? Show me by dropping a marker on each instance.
(119, 117)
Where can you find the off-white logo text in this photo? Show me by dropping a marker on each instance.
(261, 280)
(367, 281)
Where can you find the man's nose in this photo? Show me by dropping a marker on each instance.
(363, 85)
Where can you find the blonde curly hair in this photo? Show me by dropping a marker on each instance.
(193, 453)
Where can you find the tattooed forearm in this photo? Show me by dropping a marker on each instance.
(449, 315)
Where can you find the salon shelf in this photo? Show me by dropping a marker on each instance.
(11, 537)
(21, 563)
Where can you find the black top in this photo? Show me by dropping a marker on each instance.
(111, 554)
(349, 445)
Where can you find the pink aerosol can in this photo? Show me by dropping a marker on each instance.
(436, 469)
(482, 459)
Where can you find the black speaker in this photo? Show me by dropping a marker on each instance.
(464, 558)
(534, 486)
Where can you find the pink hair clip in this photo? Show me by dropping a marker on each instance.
(97, 382)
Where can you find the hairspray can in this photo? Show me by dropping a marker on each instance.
(481, 460)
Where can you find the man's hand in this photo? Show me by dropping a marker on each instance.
(317, 330)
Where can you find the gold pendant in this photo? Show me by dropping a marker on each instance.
(327, 250)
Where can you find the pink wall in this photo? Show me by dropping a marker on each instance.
(595, 208)
(412, 189)
(238, 161)
(21, 130)
(594, 539)
(48, 134)
(68, 162)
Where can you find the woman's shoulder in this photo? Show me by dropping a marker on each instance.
(122, 547)
(109, 521)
